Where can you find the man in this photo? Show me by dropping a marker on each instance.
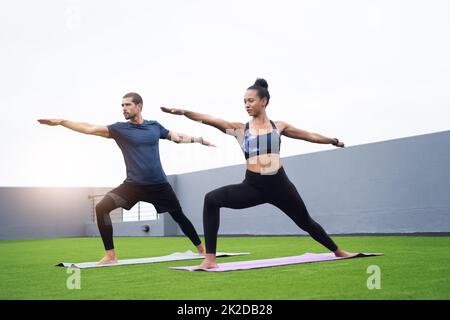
(146, 181)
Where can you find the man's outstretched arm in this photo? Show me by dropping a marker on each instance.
(82, 127)
(184, 138)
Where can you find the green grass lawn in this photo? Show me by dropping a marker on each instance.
(413, 267)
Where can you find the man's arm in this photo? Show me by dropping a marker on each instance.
(223, 125)
(184, 138)
(295, 133)
(82, 127)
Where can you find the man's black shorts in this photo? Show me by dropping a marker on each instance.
(161, 196)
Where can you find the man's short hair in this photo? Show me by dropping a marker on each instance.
(135, 98)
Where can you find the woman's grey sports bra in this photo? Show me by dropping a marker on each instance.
(255, 145)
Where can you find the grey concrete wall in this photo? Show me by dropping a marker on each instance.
(396, 186)
(43, 212)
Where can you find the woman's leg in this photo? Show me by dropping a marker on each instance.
(236, 196)
(289, 201)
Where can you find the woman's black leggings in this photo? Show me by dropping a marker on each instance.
(108, 204)
(257, 189)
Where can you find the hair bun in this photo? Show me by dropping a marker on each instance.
(261, 83)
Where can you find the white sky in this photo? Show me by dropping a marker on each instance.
(361, 71)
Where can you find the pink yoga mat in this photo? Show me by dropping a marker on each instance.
(265, 263)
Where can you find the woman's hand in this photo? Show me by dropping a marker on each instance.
(338, 143)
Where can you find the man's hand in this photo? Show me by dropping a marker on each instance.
(51, 122)
(207, 143)
(173, 111)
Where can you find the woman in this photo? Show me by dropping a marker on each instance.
(265, 180)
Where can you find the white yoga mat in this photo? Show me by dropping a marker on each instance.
(188, 255)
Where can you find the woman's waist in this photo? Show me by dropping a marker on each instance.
(267, 164)
(266, 176)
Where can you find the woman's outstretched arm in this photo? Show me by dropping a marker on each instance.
(292, 132)
(223, 125)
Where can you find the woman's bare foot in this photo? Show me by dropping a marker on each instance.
(209, 262)
(201, 249)
(110, 257)
(344, 254)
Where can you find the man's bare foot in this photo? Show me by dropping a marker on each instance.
(201, 249)
(110, 257)
(344, 254)
(209, 262)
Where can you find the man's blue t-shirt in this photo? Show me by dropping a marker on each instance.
(140, 148)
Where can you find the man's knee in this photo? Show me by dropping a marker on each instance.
(105, 206)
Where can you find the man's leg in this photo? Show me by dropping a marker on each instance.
(102, 210)
(164, 199)
(188, 228)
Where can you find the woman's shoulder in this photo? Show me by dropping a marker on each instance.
(281, 125)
